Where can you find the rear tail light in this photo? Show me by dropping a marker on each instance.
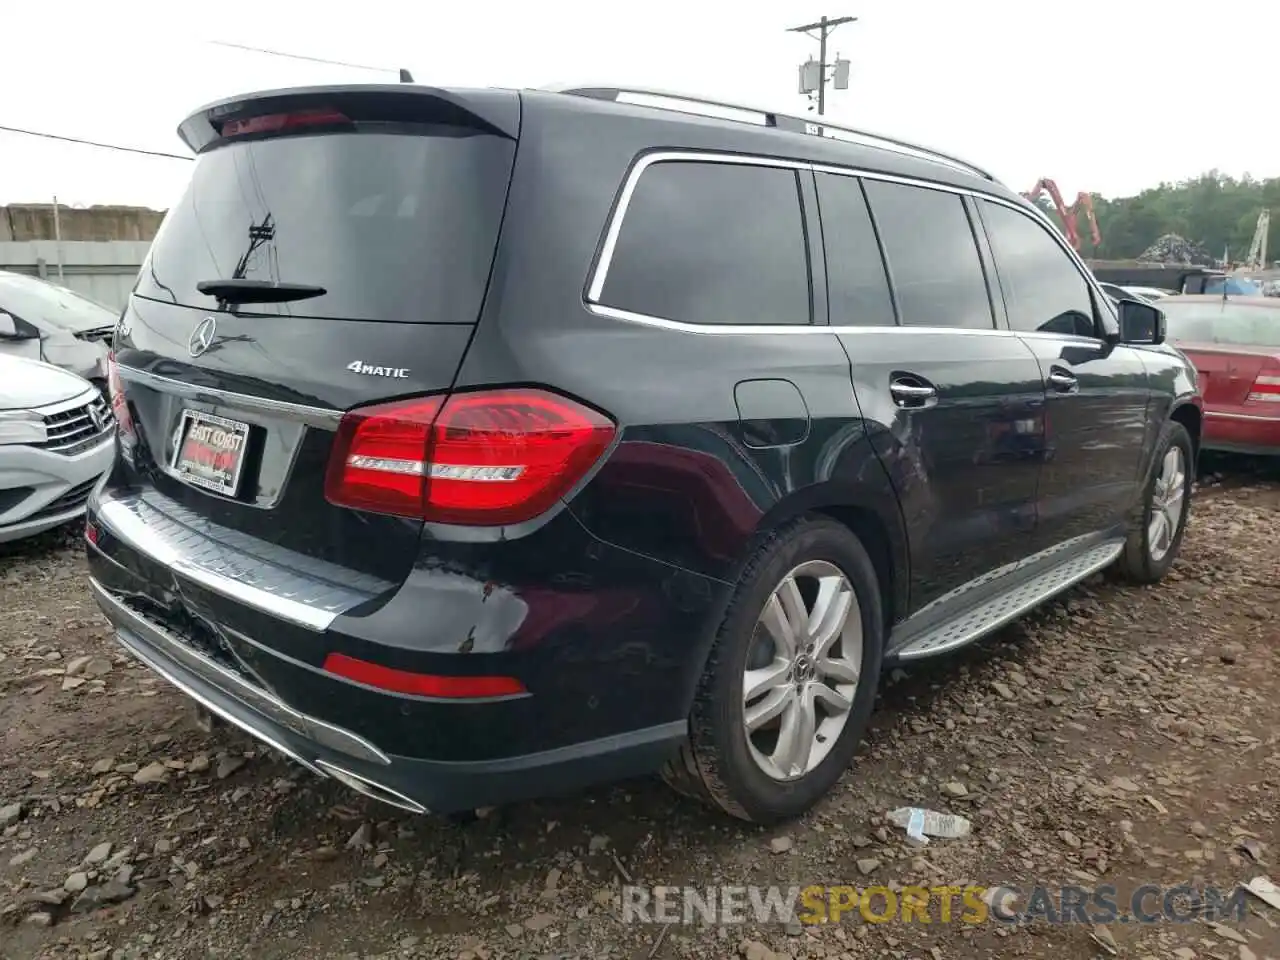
(1266, 386)
(420, 684)
(282, 122)
(486, 458)
(119, 404)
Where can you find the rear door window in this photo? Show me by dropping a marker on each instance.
(932, 255)
(712, 243)
(398, 227)
(857, 286)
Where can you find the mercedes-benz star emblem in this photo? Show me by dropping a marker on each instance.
(202, 336)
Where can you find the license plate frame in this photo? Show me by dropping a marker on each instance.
(189, 472)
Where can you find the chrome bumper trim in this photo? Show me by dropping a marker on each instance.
(162, 652)
(302, 590)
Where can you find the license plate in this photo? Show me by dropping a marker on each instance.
(210, 452)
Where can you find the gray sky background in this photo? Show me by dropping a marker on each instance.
(1108, 96)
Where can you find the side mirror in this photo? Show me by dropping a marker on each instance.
(1141, 323)
(8, 327)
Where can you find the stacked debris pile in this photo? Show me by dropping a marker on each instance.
(1172, 248)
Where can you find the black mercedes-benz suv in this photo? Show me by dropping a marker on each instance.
(476, 445)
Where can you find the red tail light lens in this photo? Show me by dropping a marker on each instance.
(485, 459)
(419, 684)
(282, 122)
(119, 405)
(1266, 385)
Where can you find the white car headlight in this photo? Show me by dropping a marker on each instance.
(22, 427)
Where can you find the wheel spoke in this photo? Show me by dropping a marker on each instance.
(830, 612)
(838, 669)
(775, 621)
(769, 708)
(761, 681)
(795, 738)
(834, 701)
(788, 593)
(1155, 532)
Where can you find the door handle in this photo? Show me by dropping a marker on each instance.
(906, 394)
(1062, 381)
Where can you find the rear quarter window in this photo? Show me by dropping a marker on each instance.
(712, 243)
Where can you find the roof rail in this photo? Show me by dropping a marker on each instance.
(701, 106)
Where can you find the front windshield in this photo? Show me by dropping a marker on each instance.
(46, 306)
(1224, 322)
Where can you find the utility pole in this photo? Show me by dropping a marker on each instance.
(813, 76)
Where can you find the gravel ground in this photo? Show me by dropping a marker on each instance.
(1119, 736)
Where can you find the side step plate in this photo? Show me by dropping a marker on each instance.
(978, 621)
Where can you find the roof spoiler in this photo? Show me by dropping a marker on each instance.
(491, 111)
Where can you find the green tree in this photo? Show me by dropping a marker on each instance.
(1214, 209)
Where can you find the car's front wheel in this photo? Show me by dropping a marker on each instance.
(1156, 537)
(791, 678)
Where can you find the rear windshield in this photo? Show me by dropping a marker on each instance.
(1218, 322)
(398, 227)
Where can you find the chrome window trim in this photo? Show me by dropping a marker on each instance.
(324, 417)
(600, 271)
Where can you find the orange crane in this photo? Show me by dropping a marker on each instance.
(1070, 214)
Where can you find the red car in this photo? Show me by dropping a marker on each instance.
(1235, 346)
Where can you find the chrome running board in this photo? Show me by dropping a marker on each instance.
(979, 620)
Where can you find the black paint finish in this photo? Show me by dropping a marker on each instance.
(951, 452)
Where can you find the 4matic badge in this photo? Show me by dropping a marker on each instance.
(369, 370)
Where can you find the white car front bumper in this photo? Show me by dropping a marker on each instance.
(42, 487)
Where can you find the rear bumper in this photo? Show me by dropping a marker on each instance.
(609, 659)
(331, 751)
(1247, 433)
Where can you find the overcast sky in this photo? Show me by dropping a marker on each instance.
(1108, 96)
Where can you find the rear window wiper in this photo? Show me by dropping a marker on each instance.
(259, 291)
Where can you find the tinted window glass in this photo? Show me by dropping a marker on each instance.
(392, 226)
(932, 255)
(712, 243)
(856, 281)
(49, 307)
(1217, 322)
(1044, 290)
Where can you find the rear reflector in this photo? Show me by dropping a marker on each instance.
(1266, 389)
(282, 122)
(119, 403)
(486, 458)
(419, 684)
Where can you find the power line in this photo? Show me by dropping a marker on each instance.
(299, 56)
(95, 143)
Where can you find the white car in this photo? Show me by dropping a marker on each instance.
(42, 321)
(57, 439)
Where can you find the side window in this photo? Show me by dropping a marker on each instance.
(1044, 290)
(932, 255)
(715, 243)
(856, 282)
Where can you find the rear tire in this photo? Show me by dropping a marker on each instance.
(1155, 540)
(818, 691)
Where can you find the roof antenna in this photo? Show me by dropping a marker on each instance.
(405, 76)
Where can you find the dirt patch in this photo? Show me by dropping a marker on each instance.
(1119, 736)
